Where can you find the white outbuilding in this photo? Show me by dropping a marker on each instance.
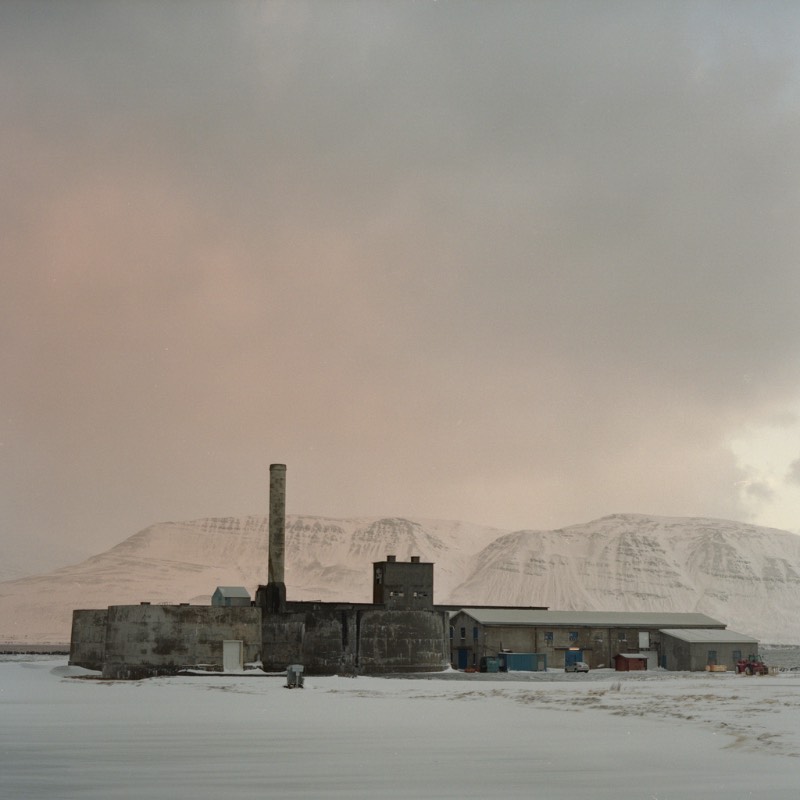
(230, 596)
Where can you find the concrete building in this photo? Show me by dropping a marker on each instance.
(230, 596)
(400, 632)
(144, 640)
(405, 586)
(695, 649)
(591, 636)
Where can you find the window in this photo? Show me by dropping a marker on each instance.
(548, 637)
(463, 633)
(573, 636)
(736, 655)
(712, 656)
(475, 633)
(622, 636)
(451, 631)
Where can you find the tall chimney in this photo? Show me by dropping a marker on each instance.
(277, 522)
(276, 588)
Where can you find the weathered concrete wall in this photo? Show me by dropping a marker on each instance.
(336, 638)
(150, 640)
(88, 639)
(402, 641)
(322, 637)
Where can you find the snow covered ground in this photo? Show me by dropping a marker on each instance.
(603, 735)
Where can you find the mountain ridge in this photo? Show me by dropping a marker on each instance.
(747, 576)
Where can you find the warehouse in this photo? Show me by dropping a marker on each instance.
(564, 636)
(697, 649)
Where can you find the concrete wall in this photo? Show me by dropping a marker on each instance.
(337, 638)
(88, 639)
(403, 641)
(150, 640)
(322, 638)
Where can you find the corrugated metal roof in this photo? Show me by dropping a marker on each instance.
(232, 591)
(598, 619)
(706, 635)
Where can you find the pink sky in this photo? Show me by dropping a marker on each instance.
(522, 264)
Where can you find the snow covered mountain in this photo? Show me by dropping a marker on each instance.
(744, 575)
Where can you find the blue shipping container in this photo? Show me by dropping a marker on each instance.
(520, 662)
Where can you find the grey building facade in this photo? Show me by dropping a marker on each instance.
(694, 650)
(591, 636)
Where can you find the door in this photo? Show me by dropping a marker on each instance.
(572, 657)
(232, 655)
(463, 657)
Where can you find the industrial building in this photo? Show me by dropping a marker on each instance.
(564, 637)
(400, 631)
(697, 649)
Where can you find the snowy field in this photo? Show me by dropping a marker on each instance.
(603, 735)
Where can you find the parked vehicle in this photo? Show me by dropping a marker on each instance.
(752, 665)
(577, 666)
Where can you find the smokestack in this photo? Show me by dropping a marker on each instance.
(277, 522)
(275, 590)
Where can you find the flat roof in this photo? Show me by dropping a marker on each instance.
(708, 635)
(596, 619)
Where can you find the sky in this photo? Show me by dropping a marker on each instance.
(522, 264)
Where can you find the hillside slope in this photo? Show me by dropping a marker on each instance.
(744, 575)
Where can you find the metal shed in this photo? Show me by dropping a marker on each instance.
(230, 596)
(629, 662)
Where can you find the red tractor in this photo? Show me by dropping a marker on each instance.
(752, 665)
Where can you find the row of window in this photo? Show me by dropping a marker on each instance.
(548, 635)
(463, 632)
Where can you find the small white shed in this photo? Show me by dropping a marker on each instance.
(230, 596)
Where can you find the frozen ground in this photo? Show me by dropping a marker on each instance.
(606, 735)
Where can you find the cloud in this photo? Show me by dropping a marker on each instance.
(524, 266)
(793, 475)
(759, 491)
